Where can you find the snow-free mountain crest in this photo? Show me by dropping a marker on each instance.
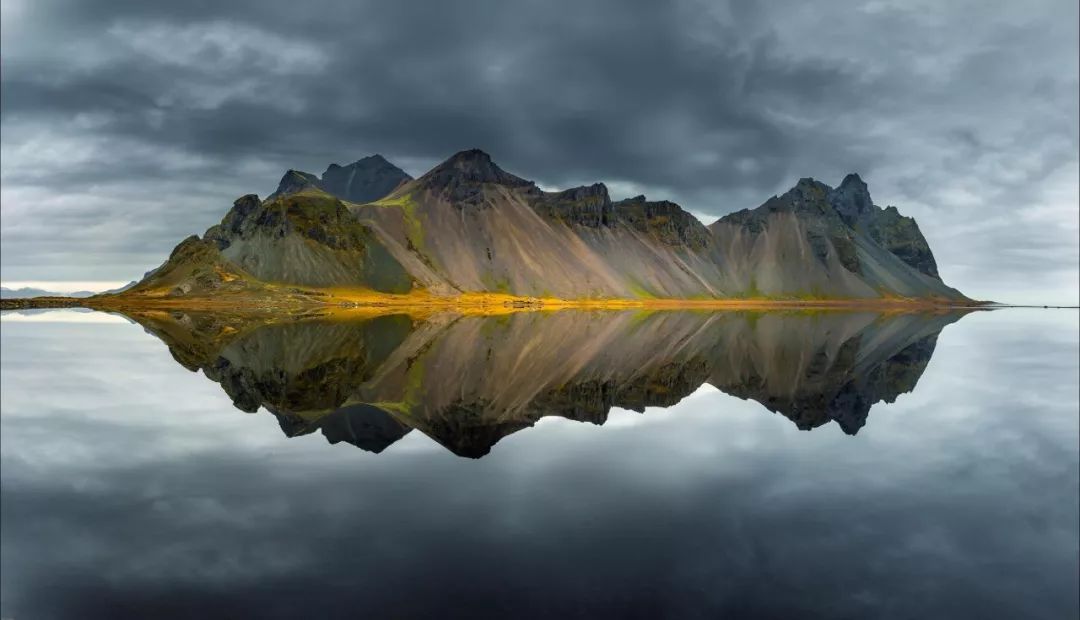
(468, 226)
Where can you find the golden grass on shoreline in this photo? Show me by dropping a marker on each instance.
(351, 301)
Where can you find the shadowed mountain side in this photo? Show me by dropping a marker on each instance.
(307, 238)
(818, 242)
(364, 426)
(468, 381)
(363, 180)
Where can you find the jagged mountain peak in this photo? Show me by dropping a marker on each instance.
(364, 180)
(852, 198)
(852, 179)
(809, 184)
(471, 167)
(371, 161)
(294, 181)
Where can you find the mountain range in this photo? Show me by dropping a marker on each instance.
(27, 292)
(369, 232)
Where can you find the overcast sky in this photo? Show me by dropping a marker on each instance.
(127, 125)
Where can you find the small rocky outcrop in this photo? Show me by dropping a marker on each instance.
(195, 267)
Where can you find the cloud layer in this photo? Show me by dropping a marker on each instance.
(129, 125)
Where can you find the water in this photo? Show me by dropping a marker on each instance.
(912, 466)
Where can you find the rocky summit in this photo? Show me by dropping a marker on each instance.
(363, 180)
(468, 226)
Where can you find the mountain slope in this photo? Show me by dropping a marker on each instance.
(818, 242)
(483, 229)
(468, 226)
(306, 238)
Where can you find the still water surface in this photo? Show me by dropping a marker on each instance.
(681, 465)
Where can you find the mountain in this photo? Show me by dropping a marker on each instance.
(363, 180)
(825, 242)
(305, 238)
(468, 226)
(28, 292)
(468, 381)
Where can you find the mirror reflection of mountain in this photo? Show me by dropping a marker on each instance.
(468, 381)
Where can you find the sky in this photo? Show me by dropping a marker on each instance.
(127, 125)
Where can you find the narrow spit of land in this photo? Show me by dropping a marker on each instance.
(344, 300)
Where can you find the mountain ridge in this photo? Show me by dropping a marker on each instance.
(364, 180)
(469, 227)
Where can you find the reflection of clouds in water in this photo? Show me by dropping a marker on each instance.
(60, 315)
(153, 489)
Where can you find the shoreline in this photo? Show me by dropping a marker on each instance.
(347, 301)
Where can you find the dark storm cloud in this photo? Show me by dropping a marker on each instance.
(150, 117)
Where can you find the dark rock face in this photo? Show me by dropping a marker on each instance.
(841, 212)
(320, 218)
(894, 232)
(364, 426)
(851, 199)
(365, 180)
(590, 206)
(367, 427)
(807, 198)
(901, 236)
(583, 206)
(472, 166)
(461, 179)
(233, 224)
(665, 220)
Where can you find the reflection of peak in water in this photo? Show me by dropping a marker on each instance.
(835, 369)
(468, 381)
(364, 426)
